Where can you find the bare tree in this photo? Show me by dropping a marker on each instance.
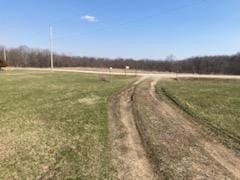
(24, 56)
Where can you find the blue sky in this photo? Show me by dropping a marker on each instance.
(124, 28)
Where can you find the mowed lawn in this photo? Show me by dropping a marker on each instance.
(213, 101)
(54, 125)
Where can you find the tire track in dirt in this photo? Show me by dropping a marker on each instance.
(203, 157)
(227, 158)
(129, 157)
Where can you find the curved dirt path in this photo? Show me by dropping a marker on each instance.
(222, 155)
(129, 157)
(203, 157)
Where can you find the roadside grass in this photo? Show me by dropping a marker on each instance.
(213, 102)
(54, 125)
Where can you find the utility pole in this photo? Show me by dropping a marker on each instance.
(4, 55)
(110, 73)
(51, 44)
(136, 72)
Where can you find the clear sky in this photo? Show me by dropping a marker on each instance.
(124, 28)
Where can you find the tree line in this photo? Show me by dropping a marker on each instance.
(28, 57)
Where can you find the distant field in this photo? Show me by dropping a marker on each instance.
(216, 102)
(54, 125)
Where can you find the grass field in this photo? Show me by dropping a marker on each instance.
(54, 125)
(216, 102)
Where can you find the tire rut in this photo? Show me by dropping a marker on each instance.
(227, 158)
(129, 157)
(182, 148)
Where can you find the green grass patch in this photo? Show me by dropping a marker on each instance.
(214, 102)
(54, 125)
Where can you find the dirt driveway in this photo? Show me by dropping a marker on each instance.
(151, 140)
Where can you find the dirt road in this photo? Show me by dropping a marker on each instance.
(154, 141)
(129, 157)
(105, 71)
